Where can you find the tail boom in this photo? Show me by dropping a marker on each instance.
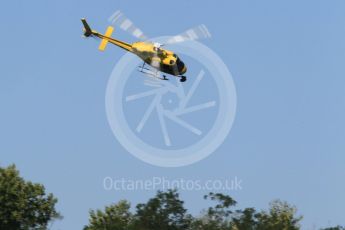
(105, 38)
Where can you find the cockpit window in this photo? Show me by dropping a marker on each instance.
(180, 64)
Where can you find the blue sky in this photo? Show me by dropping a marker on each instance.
(287, 141)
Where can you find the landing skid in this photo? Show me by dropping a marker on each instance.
(152, 74)
(155, 74)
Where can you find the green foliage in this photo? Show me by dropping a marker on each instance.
(244, 219)
(217, 217)
(280, 216)
(165, 211)
(24, 205)
(334, 228)
(114, 217)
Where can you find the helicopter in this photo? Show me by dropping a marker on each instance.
(152, 53)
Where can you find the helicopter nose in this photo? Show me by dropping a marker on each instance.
(184, 69)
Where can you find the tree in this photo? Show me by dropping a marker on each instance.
(217, 217)
(281, 215)
(244, 219)
(114, 217)
(24, 205)
(334, 228)
(164, 211)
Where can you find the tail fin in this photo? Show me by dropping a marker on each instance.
(87, 29)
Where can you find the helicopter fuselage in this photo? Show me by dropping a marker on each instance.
(161, 59)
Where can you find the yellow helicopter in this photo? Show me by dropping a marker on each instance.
(151, 53)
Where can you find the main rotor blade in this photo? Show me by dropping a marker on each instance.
(196, 33)
(119, 19)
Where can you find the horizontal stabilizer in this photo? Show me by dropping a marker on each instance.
(104, 41)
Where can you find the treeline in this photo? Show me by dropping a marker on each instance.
(26, 206)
